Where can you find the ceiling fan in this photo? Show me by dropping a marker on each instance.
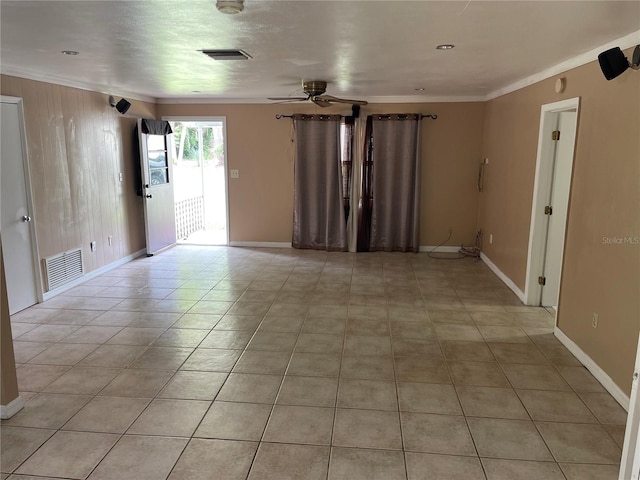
(314, 90)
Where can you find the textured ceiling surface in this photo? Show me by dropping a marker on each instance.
(362, 48)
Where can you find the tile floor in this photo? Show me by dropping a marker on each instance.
(229, 363)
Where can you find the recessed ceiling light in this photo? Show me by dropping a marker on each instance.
(445, 46)
(70, 52)
(421, 89)
(230, 6)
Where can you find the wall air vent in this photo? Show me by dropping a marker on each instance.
(63, 267)
(227, 54)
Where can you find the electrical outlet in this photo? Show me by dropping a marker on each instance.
(94, 246)
(235, 173)
(594, 320)
(120, 177)
(491, 238)
(110, 240)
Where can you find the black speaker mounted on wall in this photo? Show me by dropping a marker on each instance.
(121, 106)
(613, 62)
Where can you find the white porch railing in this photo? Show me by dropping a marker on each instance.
(189, 216)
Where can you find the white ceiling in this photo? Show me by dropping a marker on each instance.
(364, 49)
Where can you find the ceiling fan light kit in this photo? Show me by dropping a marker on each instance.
(314, 91)
(230, 7)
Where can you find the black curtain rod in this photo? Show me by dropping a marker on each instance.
(430, 115)
(280, 115)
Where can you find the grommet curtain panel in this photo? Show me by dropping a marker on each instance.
(395, 209)
(318, 210)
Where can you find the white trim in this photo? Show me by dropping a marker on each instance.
(93, 274)
(389, 99)
(600, 375)
(439, 249)
(507, 281)
(630, 462)
(11, 408)
(261, 244)
(66, 82)
(627, 41)
(194, 118)
(206, 119)
(542, 181)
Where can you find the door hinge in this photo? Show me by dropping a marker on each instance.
(542, 280)
(555, 135)
(548, 210)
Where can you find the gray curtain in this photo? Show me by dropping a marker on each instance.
(395, 217)
(318, 213)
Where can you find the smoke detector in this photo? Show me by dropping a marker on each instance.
(230, 6)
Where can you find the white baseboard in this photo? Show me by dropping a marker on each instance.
(95, 273)
(11, 408)
(261, 244)
(507, 281)
(436, 249)
(424, 248)
(600, 375)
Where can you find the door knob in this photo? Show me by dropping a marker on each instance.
(26, 218)
(148, 195)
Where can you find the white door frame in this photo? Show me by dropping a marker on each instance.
(544, 174)
(179, 118)
(35, 254)
(630, 462)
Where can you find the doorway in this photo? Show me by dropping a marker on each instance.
(19, 247)
(554, 165)
(200, 181)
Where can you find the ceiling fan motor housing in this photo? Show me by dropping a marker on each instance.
(315, 87)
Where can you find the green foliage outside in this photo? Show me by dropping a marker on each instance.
(211, 149)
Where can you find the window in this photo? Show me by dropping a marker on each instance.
(158, 166)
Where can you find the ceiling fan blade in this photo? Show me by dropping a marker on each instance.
(321, 102)
(290, 99)
(331, 98)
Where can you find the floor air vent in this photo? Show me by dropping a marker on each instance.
(63, 267)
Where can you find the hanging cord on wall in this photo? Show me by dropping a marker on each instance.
(464, 252)
(475, 250)
(444, 256)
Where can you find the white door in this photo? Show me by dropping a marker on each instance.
(630, 462)
(16, 229)
(552, 185)
(157, 191)
(558, 203)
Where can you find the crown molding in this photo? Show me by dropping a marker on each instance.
(65, 82)
(396, 99)
(627, 41)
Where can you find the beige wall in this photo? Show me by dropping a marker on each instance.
(604, 202)
(261, 200)
(77, 145)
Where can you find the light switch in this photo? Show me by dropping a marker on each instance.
(235, 173)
